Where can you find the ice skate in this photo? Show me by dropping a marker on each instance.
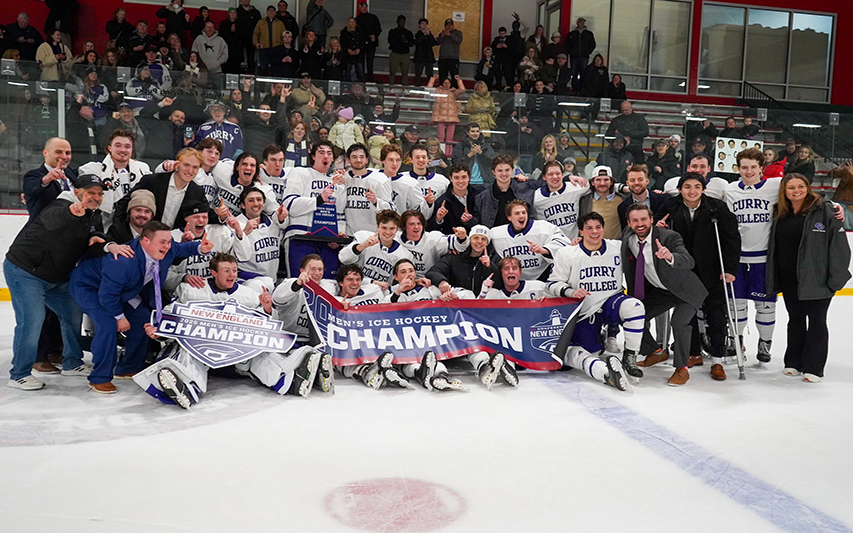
(426, 371)
(509, 375)
(393, 376)
(763, 351)
(326, 374)
(629, 362)
(489, 371)
(174, 388)
(443, 382)
(304, 377)
(616, 376)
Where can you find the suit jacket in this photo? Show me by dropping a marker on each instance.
(158, 184)
(117, 281)
(39, 197)
(120, 233)
(654, 198)
(678, 278)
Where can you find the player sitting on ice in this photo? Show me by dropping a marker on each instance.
(291, 308)
(377, 253)
(196, 269)
(592, 271)
(178, 377)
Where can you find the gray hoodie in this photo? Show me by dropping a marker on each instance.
(213, 51)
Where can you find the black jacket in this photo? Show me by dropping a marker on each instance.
(175, 22)
(401, 40)
(655, 199)
(486, 205)
(456, 210)
(290, 23)
(580, 44)
(595, 81)
(353, 40)
(50, 247)
(669, 165)
(120, 233)
(39, 197)
(61, 11)
(368, 24)
(462, 270)
(423, 47)
(159, 185)
(246, 22)
(699, 237)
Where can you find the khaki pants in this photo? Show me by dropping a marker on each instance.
(398, 63)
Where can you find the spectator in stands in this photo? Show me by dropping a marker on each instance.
(808, 262)
(199, 21)
(731, 130)
(333, 61)
(476, 154)
(579, 45)
(629, 124)
(284, 58)
(525, 138)
(137, 44)
(247, 20)
(15, 56)
(289, 21)
(547, 152)
(159, 71)
(296, 146)
(96, 96)
(266, 35)
(789, 151)
(378, 114)
(311, 54)
(674, 142)
(263, 128)
(212, 50)
(354, 44)
(540, 107)
(318, 20)
(749, 130)
(345, 132)
(120, 30)
(517, 46)
(160, 34)
(564, 149)
(662, 165)
(437, 160)
(424, 58)
(486, 68)
(144, 88)
(596, 78)
(26, 38)
(700, 128)
(481, 107)
(61, 17)
(177, 20)
(773, 167)
(446, 109)
(617, 159)
(370, 28)
(537, 40)
(548, 73)
(449, 41)
(563, 83)
(226, 132)
(616, 89)
(400, 42)
(229, 31)
(177, 53)
(803, 163)
(88, 46)
(504, 64)
(307, 97)
(54, 59)
(697, 147)
(457, 205)
(528, 67)
(554, 48)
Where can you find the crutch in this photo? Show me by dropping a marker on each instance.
(731, 307)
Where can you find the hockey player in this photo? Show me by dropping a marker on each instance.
(533, 242)
(558, 201)
(272, 170)
(404, 189)
(316, 203)
(210, 150)
(430, 184)
(233, 177)
(377, 253)
(368, 192)
(258, 238)
(427, 248)
(118, 172)
(701, 164)
(195, 270)
(179, 378)
(228, 133)
(592, 271)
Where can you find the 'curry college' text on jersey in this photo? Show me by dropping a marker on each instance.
(599, 272)
(753, 207)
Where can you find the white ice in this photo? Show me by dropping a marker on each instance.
(561, 453)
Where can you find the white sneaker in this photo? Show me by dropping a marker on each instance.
(811, 378)
(611, 346)
(25, 383)
(791, 372)
(83, 370)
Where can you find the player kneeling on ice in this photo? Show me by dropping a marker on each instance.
(178, 377)
(592, 271)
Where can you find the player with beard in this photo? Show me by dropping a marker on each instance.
(177, 377)
(430, 184)
(257, 242)
(592, 271)
(233, 178)
(196, 269)
(428, 247)
(119, 172)
(533, 242)
(368, 192)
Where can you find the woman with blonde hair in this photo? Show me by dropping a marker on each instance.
(445, 110)
(437, 160)
(547, 152)
(481, 107)
(802, 163)
(808, 262)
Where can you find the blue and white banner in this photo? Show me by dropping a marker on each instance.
(527, 331)
(221, 334)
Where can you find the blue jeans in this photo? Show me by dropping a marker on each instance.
(30, 295)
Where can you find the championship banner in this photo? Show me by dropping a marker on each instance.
(726, 152)
(220, 334)
(527, 331)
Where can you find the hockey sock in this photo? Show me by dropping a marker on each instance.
(410, 370)
(632, 314)
(477, 359)
(741, 307)
(765, 319)
(591, 365)
(351, 371)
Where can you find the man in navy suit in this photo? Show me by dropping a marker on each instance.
(43, 184)
(638, 183)
(119, 294)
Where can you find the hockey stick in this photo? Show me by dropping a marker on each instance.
(731, 306)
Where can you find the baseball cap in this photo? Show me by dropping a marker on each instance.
(675, 137)
(480, 229)
(412, 129)
(602, 170)
(199, 206)
(152, 48)
(88, 180)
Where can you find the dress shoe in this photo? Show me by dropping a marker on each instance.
(654, 358)
(103, 388)
(678, 378)
(718, 372)
(45, 368)
(124, 377)
(695, 360)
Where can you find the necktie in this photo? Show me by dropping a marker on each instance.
(64, 183)
(158, 297)
(640, 274)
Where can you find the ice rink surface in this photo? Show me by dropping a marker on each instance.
(561, 453)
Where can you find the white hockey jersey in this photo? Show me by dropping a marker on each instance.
(369, 294)
(243, 295)
(432, 181)
(599, 272)
(530, 289)
(561, 207)
(290, 306)
(117, 183)
(229, 189)
(418, 294)
(360, 214)
(258, 252)
(715, 188)
(377, 261)
(405, 193)
(276, 183)
(222, 238)
(431, 247)
(304, 185)
(507, 242)
(753, 207)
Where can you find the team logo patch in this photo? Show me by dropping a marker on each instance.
(544, 335)
(819, 226)
(220, 334)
